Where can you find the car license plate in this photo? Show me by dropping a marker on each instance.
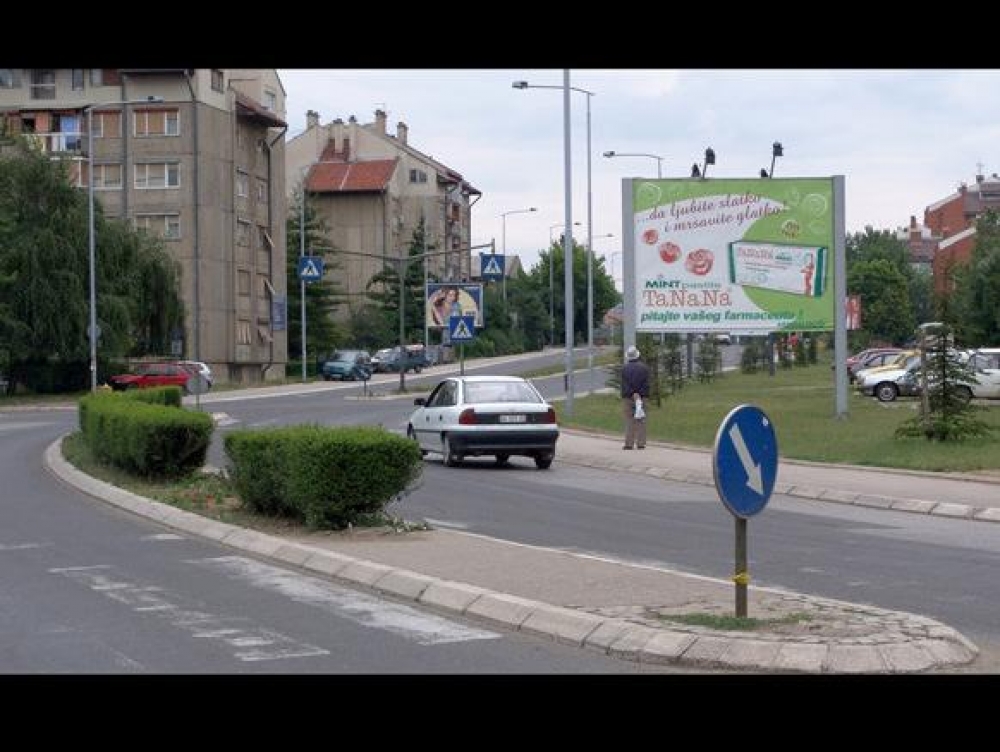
(513, 418)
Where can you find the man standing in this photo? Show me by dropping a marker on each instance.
(635, 384)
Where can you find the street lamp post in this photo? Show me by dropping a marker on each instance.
(613, 279)
(91, 235)
(503, 242)
(590, 303)
(552, 305)
(590, 212)
(657, 157)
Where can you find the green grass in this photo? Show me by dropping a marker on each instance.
(800, 403)
(600, 359)
(734, 623)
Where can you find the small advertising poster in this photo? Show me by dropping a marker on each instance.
(447, 299)
(733, 255)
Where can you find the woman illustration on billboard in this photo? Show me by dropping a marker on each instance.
(444, 305)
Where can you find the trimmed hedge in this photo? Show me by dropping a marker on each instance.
(326, 477)
(145, 438)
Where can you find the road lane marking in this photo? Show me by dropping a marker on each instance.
(367, 610)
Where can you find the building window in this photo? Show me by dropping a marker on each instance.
(107, 124)
(242, 184)
(261, 191)
(157, 123)
(270, 100)
(166, 226)
(218, 81)
(43, 84)
(76, 75)
(418, 176)
(97, 77)
(107, 177)
(242, 332)
(10, 78)
(243, 282)
(158, 175)
(264, 238)
(242, 232)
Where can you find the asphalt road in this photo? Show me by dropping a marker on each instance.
(87, 588)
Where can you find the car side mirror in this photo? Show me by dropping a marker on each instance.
(420, 401)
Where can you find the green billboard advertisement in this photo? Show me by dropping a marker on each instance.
(733, 255)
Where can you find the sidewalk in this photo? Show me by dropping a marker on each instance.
(622, 609)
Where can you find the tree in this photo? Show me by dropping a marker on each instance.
(605, 294)
(45, 277)
(324, 296)
(879, 270)
(383, 288)
(885, 296)
(948, 415)
(975, 304)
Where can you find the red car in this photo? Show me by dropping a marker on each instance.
(153, 374)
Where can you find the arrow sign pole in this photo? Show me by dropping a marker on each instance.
(752, 468)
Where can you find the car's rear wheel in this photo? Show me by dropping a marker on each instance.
(964, 393)
(886, 391)
(502, 459)
(543, 461)
(448, 454)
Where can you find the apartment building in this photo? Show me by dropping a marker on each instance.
(196, 157)
(373, 188)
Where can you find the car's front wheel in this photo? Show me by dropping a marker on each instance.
(886, 391)
(964, 393)
(448, 454)
(502, 459)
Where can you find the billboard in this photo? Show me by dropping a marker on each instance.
(447, 299)
(733, 255)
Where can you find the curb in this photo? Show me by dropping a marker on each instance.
(895, 503)
(911, 643)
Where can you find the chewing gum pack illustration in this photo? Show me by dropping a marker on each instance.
(787, 268)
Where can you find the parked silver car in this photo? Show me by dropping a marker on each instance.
(485, 415)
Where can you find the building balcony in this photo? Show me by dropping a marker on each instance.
(70, 144)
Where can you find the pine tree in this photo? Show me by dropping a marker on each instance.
(324, 296)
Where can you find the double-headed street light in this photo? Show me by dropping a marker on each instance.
(590, 223)
(657, 157)
(91, 235)
(503, 242)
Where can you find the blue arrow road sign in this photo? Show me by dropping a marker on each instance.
(462, 328)
(491, 267)
(310, 268)
(745, 460)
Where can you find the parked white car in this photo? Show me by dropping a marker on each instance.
(485, 415)
(196, 366)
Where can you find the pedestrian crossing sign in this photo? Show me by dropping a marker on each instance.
(462, 328)
(310, 268)
(491, 266)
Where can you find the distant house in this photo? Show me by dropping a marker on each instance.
(373, 188)
(953, 221)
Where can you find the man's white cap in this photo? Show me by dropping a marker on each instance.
(632, 353)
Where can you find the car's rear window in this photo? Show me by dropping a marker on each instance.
(480, 392)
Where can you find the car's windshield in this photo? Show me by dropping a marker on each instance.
(480, 392)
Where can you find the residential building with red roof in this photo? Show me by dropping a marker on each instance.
(953, 221)
(372, 188)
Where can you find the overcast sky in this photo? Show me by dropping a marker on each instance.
(902, 139)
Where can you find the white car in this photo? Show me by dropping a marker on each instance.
(196, 366)
(485, 415)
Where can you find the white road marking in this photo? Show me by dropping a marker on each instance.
(250, 642)
(162, 537)
(446, 523)
(21, 546)
(223, 419)
(370, 611)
